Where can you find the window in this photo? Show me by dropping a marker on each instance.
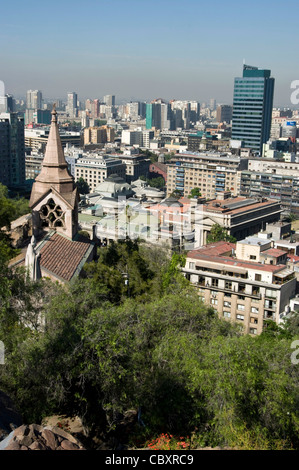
(254, 310)
(254, 320)
(228, 285)
(252, 257)
(191, 265)
(253, 331)
(240, 307)
(241, 287)
(226, 314)
(240, 317)
(215, 282)
(258, 277)
(214, 301)
(226, 303)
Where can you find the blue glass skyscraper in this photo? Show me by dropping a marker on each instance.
(252, 107)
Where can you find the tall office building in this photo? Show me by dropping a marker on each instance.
(109, 100)
(34, 99)
(7, 104)
(12, 149)
(252, 107)
(157, 114)
(224, 113)
(72, 104)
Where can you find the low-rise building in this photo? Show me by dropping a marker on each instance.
(239, 216)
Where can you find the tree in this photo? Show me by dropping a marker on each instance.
(82, 186)
(195, 192)
(218, 233)
(8, 211)
(176, 194)
(158, 182)
(158, 349)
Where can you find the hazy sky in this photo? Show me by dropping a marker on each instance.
(141, 49)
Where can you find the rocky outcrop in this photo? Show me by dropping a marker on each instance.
(36, 437)
(9, 416)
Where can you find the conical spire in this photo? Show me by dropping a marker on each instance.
(54, 155)
(54, 172)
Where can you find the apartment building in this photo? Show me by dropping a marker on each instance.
(272, 179)
(247, 282)
(210, 172)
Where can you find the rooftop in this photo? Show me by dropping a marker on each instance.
(236, 205)
(218, 253)
(64, 257)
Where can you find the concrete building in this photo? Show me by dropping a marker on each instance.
(109, 100)
(36, 138)
(72, 105)
(210, 172)
(94, 169)
(12, 149)
(278, 180)
(224, 113)
(136, 164)
(34, 99)
(95, 135)
(247, 282)
(33, 164)
(7, 104)
(132, 137)
(239, 216)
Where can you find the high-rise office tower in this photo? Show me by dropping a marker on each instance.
(72, 104)
(224, 113)
(12, 149)
(149, 116)
(252, 107)
(7, 104)
(34, 99)
(212, 104)
(109, 100)
(157, 114)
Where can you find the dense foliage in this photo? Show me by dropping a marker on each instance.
(133, 334)
(218, 233)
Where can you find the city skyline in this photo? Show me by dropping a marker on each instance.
(145, 50)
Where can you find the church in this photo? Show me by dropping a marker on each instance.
(56, 250)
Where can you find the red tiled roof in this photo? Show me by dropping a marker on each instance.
(62, 256)
(275, 252)
(293, 258)
(214, 249)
